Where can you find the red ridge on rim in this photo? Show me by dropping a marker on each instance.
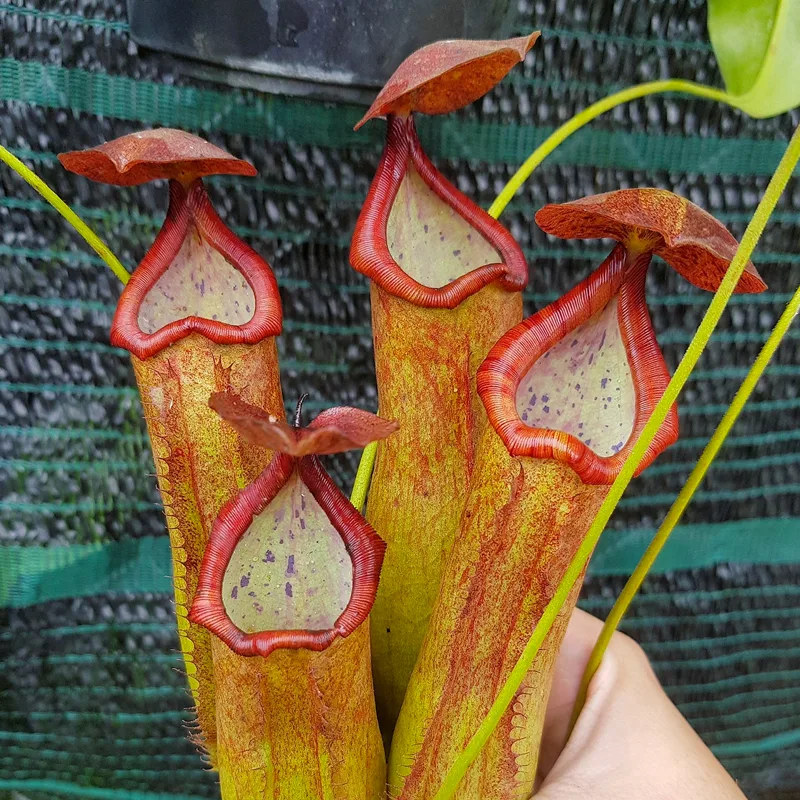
(369, 250)
(344, 429)
(364, 546)
(186, 207)
(510, 359)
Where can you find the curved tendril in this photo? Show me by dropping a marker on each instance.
(358, 495)
(592, 112)
(91, 238)
(575, 569)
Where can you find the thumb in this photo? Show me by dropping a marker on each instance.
(630, 740)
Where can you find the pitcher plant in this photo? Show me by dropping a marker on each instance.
(446, 283)
(567, 393)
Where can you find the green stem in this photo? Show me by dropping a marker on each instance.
(592, 112)
(684, 498)
(92, 239)
(709, 322)
(363, 476)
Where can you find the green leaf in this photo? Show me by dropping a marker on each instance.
(757, 44)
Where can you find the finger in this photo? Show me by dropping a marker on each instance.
(630, 741)
(571, 662)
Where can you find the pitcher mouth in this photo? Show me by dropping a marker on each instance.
(374, 255)
(290, 563)
(190, 212)
(364, 553)
(600, 418)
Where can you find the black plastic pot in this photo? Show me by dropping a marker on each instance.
(303, 45)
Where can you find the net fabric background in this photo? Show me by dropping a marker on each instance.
(92, 702)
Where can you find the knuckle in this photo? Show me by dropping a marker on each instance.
(630, 651)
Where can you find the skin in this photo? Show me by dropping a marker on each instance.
(630, 741)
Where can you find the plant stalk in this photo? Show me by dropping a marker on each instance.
(523, 521)
(675, 513)
(92, 239)
(590, 113)
(299, 724)
(695, 349)
(200, 464)
(426, 361)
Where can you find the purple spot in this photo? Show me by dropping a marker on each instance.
(425, 228)
(235, 592)
(573, 343)
(203, 288)
(244, 581)
(288, 589)
(259, 608)
(456, 252)
(603, 383)
(524, 416)
(602, 340)
(252, 594)
(580, 424)
(577, 387)
(588, 441)
(290, 566)
(547, 409)
(297, 513)
(533, 401)
(303, 502)
(545, 398)
(302, 524)
(280, 541)
(269, 557)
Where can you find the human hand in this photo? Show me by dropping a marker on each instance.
(630, 742)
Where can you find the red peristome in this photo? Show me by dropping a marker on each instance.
(369, 250)
(335, 430)
(510, 359)
(448, 75)
(364, 546)
(187, 207)
(150, 155)
(688, 238)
